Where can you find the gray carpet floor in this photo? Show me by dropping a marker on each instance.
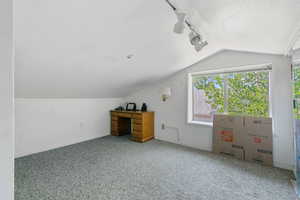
(116, 168)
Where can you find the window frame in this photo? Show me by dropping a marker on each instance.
(240, 69)
(295, 64)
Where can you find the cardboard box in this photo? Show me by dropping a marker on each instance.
(245, 138)
(226, 136)
(231, 150)
(258, 140)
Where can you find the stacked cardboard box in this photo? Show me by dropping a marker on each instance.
(227, 138)
(258, 142)
(246, 138)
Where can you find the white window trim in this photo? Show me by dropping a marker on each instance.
(267, 66)
(210, 124)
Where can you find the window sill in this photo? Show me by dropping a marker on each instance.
(210, 124)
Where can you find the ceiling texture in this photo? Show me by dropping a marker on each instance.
(92, 49)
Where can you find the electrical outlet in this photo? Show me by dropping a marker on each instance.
(163, 126)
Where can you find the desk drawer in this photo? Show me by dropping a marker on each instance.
(114, 128)
(114, 124)
(137, 116)
(137, 121)
(114, 118)
(114, 114)
(137, 134)
(137, 127)
(114, 133)
(124, 115)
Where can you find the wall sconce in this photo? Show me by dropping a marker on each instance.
(166, 93)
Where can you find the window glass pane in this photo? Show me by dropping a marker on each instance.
(296, 73)
(248, 93)
(208, 97)
(240, 93)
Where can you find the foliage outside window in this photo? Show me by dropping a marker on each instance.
(239, 93)
(296, 73)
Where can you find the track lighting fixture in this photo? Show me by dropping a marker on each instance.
(195, 38)
(199, 46)
(179, 26)
(196, 41)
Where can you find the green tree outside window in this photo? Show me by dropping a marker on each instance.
(296, 73)
(245, 93)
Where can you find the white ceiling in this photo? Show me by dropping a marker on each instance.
(297, 44)
(296, 55)
(79, 48)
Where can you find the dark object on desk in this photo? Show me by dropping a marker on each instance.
(131, 107)
(120, 108)
(144, 107)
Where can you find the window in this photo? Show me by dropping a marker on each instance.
(296, 89)
(242, 92)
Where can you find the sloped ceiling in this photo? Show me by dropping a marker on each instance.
(296, 54)
(97, 49)
(297, 45)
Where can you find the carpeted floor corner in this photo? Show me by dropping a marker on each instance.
(115, 168)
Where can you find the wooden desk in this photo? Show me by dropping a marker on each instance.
(139, 124)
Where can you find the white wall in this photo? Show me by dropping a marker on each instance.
(296, 54)
(44, 124)
(6, 101)
(174, 111)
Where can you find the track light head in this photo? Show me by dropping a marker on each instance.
(179, 26)
(199, 46)
(196, 41)
(195, 38)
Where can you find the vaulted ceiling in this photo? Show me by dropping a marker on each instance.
(297, 44)
(95, 49)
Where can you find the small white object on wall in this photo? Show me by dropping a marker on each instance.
(166, 93)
